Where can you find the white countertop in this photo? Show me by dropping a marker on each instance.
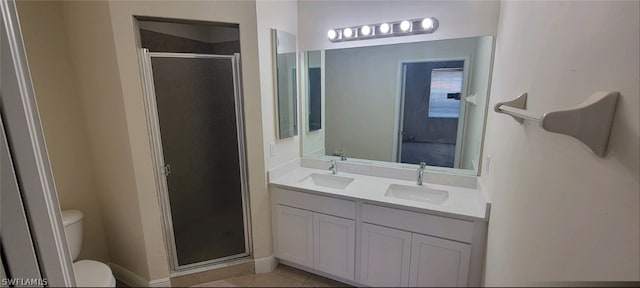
(465, 203)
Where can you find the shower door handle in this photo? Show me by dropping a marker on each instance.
(166, 170)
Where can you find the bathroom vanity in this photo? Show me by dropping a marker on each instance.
(378, 231)
(377, 113)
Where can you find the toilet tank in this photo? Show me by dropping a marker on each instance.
(72, 220)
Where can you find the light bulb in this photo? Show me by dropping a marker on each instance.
(365, 30)
(332, 34)
(427, 23)
(385, 28)
(405, 25)
(347, 32)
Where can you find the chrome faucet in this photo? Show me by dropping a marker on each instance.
(421, 172)
(334, 167)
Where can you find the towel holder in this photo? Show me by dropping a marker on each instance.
(589, 122)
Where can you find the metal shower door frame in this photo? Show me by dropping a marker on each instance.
(153, 126)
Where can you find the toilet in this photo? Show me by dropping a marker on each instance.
(88, 273)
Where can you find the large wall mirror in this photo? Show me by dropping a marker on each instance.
(402, 103)
(286, 82)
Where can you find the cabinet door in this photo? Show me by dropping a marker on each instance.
(295, 235)
(384, 256)
(438, 262)
(334, 245)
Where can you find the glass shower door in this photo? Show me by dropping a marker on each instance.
(200, 154)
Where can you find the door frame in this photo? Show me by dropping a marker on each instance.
(28, 150)
(153, 126)
(399, 112)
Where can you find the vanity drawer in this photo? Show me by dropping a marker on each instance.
(316, 203)
(443, 227)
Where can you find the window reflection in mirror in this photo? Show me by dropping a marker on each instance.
(404, 103)
(285, 74)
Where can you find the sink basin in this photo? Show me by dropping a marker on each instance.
(419, 194)
(329, 181)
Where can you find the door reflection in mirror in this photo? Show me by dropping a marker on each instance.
(430, 114)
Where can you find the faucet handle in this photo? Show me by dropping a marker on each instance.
(423, 165)
(334, 167)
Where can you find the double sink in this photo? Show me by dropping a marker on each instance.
(405, 192)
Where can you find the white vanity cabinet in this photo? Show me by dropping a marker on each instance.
(384, 256)
(315, 231)
(295, 235)
(334, 245)
(438, 262)
(441, 259)
(396, 258)
(369, 244)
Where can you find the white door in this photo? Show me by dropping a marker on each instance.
(334, 245)
(16, 237)
(295, 235)
(29, 158)
(437, 262)
(385, 255)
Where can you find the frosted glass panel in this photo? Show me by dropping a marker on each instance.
(196, 109)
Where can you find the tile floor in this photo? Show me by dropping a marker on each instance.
(282, 276)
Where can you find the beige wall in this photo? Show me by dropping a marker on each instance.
(241, 12)
(559, 212)
(63, 121)
(102, 48)
(88, 26)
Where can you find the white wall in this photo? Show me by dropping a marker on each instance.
(457, 19)
(62, 117)
(479, 85)
(281, 15)
(363, 90)
(559, 212)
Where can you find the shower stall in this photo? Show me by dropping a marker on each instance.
(195, 117)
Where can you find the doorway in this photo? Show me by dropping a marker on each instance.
(195, 117)
(431, 116)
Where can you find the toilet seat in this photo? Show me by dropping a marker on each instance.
(91, 273)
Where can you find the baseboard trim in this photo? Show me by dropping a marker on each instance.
(134, 280)
(162, 282)
(127, 277)
(266, 264)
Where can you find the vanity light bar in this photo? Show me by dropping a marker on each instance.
(380, 30)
